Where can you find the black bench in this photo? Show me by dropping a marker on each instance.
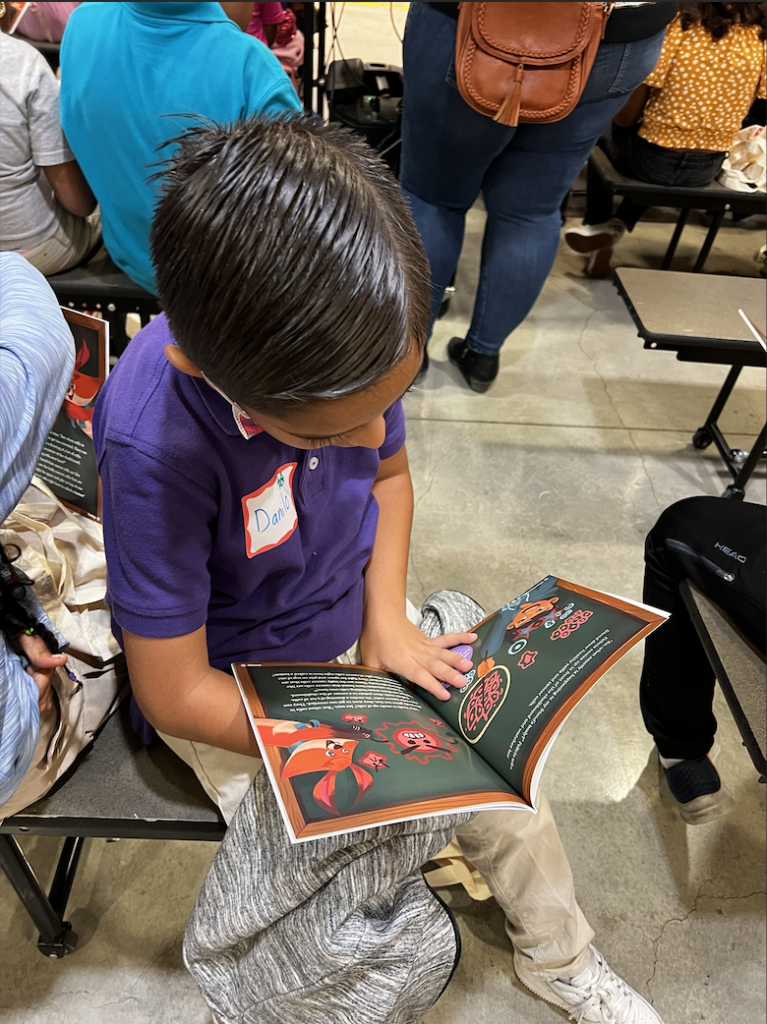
(102, 287)
(739, 669)
(713, 198)
(697, 317)
(119, 789)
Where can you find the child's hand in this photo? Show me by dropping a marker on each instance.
(399, 646)
(42, 665)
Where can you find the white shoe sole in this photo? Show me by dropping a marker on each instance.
(531, 981)
(584, 244)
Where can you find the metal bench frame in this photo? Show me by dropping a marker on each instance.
(698, 606)
(150, 793)
(712, 197)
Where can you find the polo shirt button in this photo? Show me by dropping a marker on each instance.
(314, 462)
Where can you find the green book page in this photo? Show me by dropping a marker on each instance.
(533, 661)
(347, 741)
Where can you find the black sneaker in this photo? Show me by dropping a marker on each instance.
(478, 370)
(697, 788)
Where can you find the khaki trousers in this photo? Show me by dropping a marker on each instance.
(68, 245)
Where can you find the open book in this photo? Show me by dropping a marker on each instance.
(347, 747)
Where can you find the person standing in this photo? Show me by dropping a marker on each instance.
(451, 153)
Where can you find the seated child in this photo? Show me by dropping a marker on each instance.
(257, 497)
(678, 126)
(46, 207)
(719, 544)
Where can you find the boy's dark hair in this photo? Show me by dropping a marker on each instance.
(287, 261)
(718, 19)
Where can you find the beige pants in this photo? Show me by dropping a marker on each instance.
(519, 855)
(71, 242)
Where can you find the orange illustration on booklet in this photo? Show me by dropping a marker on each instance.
(347, 747)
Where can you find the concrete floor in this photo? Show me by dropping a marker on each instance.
(562, 467)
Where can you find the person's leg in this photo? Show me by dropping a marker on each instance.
(524, 187)
(73, 239)
(702, 539)
(524, 864)
(446, 146)
(522, 860)
(719, 545)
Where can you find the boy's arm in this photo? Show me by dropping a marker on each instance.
(181, 694)
(389, 640)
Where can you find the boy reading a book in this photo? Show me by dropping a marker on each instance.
(257, 498)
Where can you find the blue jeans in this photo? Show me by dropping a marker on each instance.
(637, 158)
(450, 153)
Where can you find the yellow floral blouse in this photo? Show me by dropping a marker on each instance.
(703, 88)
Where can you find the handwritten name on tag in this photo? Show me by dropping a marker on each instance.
(270, 512)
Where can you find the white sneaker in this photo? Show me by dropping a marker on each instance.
(596, 995)
(586, 238)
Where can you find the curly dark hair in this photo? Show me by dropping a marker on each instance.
(718, 19)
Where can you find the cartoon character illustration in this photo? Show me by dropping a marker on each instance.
(313, 747)
(417, 742)
(374, 760)
(517, 620)
(82, 393)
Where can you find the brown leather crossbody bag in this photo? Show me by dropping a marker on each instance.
(527, 62)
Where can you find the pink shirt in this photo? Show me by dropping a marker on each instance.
(264, 14)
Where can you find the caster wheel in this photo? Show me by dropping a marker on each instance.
(701, 438)
(736, 493)
(444, 307)
(65, 943)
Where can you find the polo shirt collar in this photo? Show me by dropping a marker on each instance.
(227, 414)
(203, 12)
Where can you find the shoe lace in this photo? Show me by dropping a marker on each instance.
(606, 997)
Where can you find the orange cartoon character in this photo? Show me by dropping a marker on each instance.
(82, 393)
(523, 621)
(314, 747)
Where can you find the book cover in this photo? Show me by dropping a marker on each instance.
(67, 462)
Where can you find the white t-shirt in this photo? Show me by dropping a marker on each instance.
(30, 138)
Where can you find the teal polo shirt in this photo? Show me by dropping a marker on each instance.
(128, 70)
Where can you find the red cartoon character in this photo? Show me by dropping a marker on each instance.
(318, 748)
(374, 760)
(82, 393)
(417, 742)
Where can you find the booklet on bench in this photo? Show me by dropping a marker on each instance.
(348, 747)
(67, 462)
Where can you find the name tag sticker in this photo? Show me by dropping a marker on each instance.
(270, 512)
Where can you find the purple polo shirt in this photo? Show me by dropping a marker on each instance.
(263, 542)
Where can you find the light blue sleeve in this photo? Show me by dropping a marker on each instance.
(37, 357)
(19, 721)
